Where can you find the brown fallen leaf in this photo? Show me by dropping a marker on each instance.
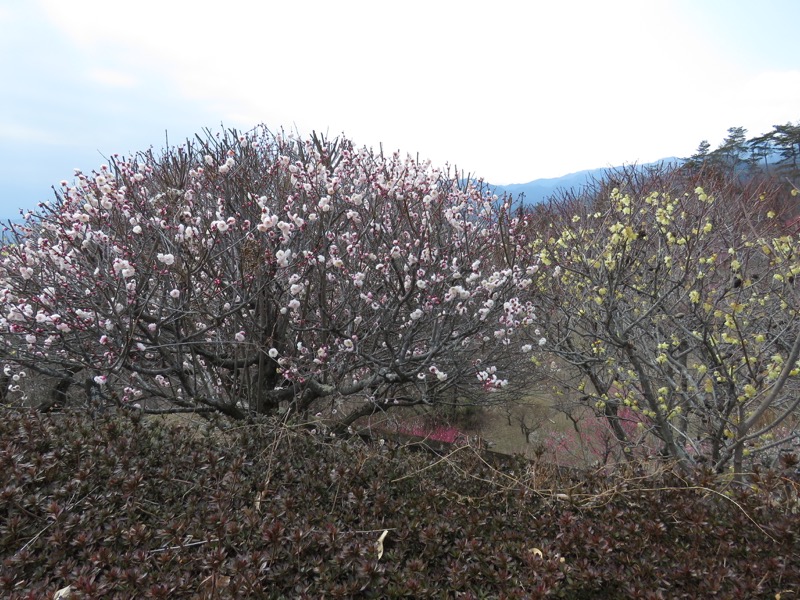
(380, 543)
(215, 582)
(63, 594)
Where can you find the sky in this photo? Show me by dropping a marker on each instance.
(506, 90)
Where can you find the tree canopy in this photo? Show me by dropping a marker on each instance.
(256, 273)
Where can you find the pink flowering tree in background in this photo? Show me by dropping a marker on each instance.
(590, 440)
(257, 273)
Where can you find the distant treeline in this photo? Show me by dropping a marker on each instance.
(776, 152)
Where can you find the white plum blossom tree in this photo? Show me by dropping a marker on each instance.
(256, 272)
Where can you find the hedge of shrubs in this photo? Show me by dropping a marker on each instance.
(120, 506)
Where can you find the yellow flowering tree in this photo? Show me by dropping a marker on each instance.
(677, 303)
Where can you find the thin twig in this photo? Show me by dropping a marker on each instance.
(69, 506)
(433, 464)
(182, 546)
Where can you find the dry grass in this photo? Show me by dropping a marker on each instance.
(521, 427)
(517, 428)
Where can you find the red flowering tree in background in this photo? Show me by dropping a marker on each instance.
(255, 273)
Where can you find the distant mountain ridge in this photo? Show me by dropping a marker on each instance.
(533, 192)
(540, 190)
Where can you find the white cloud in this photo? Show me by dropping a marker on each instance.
(510, 90)
(769, 98)
(112, 78)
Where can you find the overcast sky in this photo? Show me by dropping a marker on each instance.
(509, 90)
